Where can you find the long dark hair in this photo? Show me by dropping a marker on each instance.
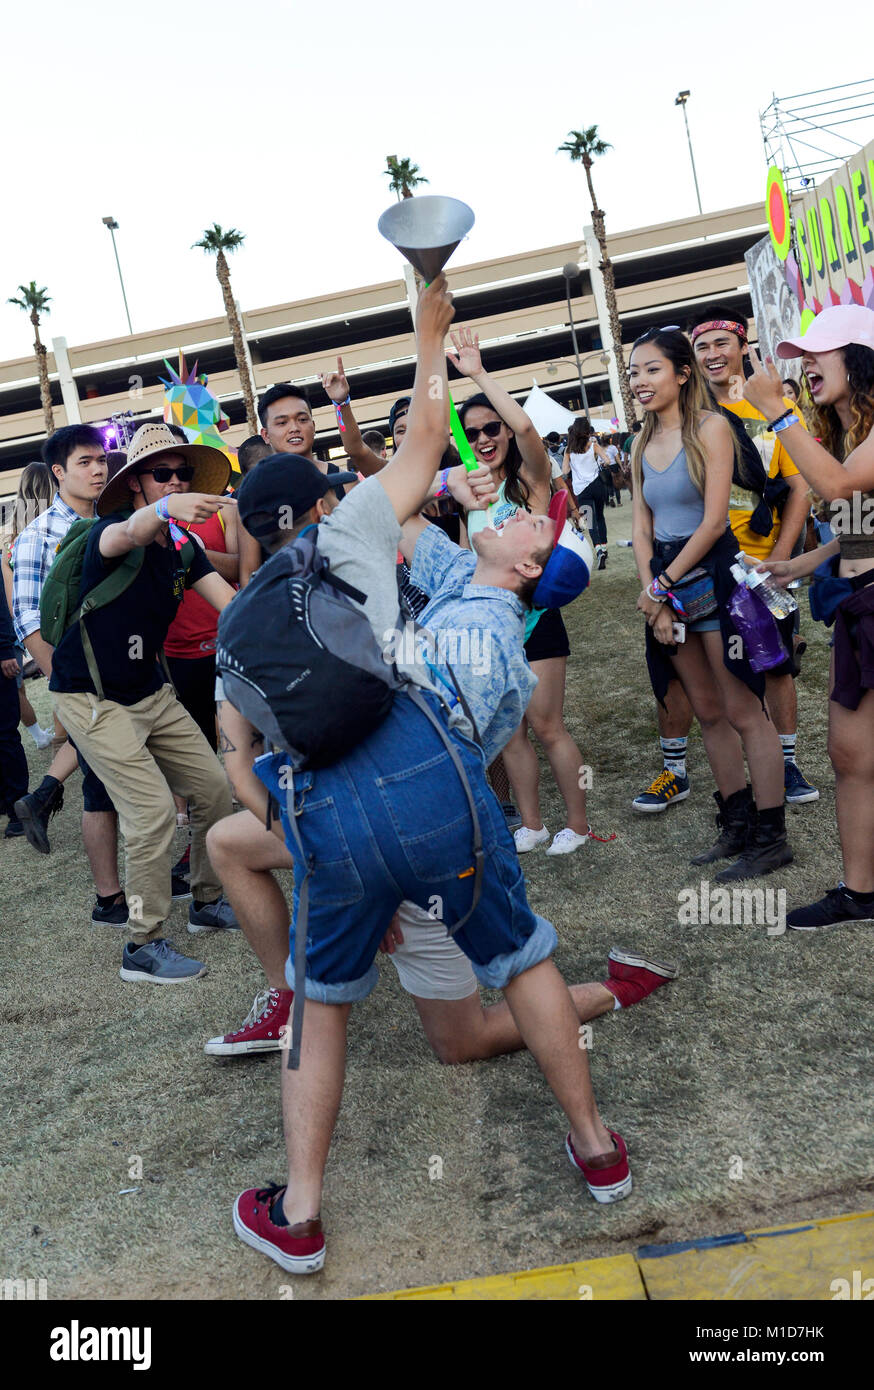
(516, 490)
(578, 437)
(859, 362)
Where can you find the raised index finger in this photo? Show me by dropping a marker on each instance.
(340, 365)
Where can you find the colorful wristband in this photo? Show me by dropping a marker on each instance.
(444, 486)
(790, 411)
(339, 409)
(785, 422)
(177, 536)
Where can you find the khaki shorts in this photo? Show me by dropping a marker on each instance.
(429, 964)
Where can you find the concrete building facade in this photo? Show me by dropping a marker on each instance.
(517, 303)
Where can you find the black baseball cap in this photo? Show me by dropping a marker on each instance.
(400, 408)
(283, 483)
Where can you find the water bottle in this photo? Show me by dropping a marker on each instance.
(755, 623)
(777, 600)
(625, 543)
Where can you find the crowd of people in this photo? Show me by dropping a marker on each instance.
(401, 784)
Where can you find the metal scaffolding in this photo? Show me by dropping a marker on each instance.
(805, 135)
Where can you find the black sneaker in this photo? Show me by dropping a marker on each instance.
(182, 868)
(13, 829)
(833, 910)
(511, 815)
(115, 915)
(665, 789)
(797, 788)
(35, 810)
(180, 888)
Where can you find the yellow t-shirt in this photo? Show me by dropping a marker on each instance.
(777, 462)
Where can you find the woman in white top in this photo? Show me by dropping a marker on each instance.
(505, 440)
(582, 460)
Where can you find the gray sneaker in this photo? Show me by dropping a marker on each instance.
(158, 964)
(217, 916)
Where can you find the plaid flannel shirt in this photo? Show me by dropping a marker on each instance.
(32, 557)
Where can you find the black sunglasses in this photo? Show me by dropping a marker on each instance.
(163, 475)
(491, 431)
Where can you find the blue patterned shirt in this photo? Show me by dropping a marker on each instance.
(32, 557)
(478, 630)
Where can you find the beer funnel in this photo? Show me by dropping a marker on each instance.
(426, 230)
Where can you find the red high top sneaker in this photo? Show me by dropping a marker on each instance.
(261, 1030)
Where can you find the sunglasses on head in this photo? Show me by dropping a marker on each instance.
(490, 430)
(163, 475)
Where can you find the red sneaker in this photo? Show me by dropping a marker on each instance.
(261, 1030)
(632, 976)
(606, 1184)
(300, 1249)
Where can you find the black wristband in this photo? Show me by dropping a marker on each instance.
(790, 411)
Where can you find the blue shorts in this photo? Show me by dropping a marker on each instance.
(391, 822)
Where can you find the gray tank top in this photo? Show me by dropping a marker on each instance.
(676, 504)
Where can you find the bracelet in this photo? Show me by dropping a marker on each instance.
(790, 411)
(444, 486)
(650, 591)
(338, 406)
(162, 509)
(785, 422)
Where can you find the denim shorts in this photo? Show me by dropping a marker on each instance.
(391, 822)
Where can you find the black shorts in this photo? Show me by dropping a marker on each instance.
(549, 638)
(787, 628)
(95, 797)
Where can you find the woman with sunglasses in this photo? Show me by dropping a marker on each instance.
(837, 357)
(683, 460)
(504, 439)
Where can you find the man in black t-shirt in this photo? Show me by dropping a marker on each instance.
(112, 696)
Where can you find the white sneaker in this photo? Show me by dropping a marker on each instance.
(566, 841)
(529, 839)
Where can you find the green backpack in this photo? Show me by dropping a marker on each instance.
(59, 605)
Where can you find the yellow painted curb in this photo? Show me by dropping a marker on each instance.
(789, 1264)
(828, 1259)
(614, 1277)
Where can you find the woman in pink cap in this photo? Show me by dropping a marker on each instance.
(837, 356)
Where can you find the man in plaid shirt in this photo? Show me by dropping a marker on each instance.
(77, 459)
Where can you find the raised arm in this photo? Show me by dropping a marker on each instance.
(409, 475)
(466, 359)
(832, 480)
(337, 388)
(144, 525)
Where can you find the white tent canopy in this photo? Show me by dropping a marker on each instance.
(546, 414)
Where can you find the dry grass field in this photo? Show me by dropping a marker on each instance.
(744, 1089)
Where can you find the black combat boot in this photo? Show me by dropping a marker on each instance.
(767, 847)
(35, 809)
(733, 820)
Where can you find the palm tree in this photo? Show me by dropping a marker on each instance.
(585, 146)
(35, 302)
(216, 242)
(404, 176)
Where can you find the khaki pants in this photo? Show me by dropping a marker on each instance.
(144, 753)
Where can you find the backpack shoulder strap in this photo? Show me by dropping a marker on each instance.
(106, 591)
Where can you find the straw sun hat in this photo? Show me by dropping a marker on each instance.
(211, 467)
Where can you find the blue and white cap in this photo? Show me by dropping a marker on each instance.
(567, 571)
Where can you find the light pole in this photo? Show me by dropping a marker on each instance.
(111, 223)
(570, 272)
(680, 100)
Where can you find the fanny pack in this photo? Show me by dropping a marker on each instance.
(694, 597)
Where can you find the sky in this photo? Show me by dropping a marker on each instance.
(275, 118)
